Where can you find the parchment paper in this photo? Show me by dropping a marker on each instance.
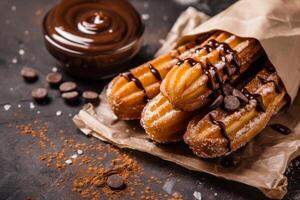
(276, 23)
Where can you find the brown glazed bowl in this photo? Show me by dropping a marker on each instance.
(93, 39)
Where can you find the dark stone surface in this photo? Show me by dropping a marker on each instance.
(22, 175)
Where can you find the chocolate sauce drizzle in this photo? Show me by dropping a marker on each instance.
(278, 89)
(216, 81)
(130, 77)
(179, 62)
(260, 107)
(155, 72)
(206, 47)
(281, 129)
(214, 85)
(223, 130)
(191, 61)
(225, 49)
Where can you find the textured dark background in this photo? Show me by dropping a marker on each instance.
(22, 175)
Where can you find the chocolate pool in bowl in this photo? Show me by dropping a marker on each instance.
(93, 39)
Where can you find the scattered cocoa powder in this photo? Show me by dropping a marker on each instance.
(90, 179)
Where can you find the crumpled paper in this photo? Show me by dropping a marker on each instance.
(276, 23)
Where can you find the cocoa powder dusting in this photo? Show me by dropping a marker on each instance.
(92, 170)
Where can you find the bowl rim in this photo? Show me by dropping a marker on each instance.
(110, 52)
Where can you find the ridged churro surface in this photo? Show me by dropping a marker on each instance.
(191, 81)
(161, 119)
(221, 131)
(129, 92)
(162, 123)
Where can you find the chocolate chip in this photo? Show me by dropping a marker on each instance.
(240, 95)
(217, 102)
(260, 107)
(231, 103)
(229, 162)
(227, 89)
(67, 86)
(281, 129)
(29, 74)
(70, 97)
(91, 97)
(115, 182)
(54, 79)
(39, 94)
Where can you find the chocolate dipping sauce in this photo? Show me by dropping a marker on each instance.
(93, 38)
